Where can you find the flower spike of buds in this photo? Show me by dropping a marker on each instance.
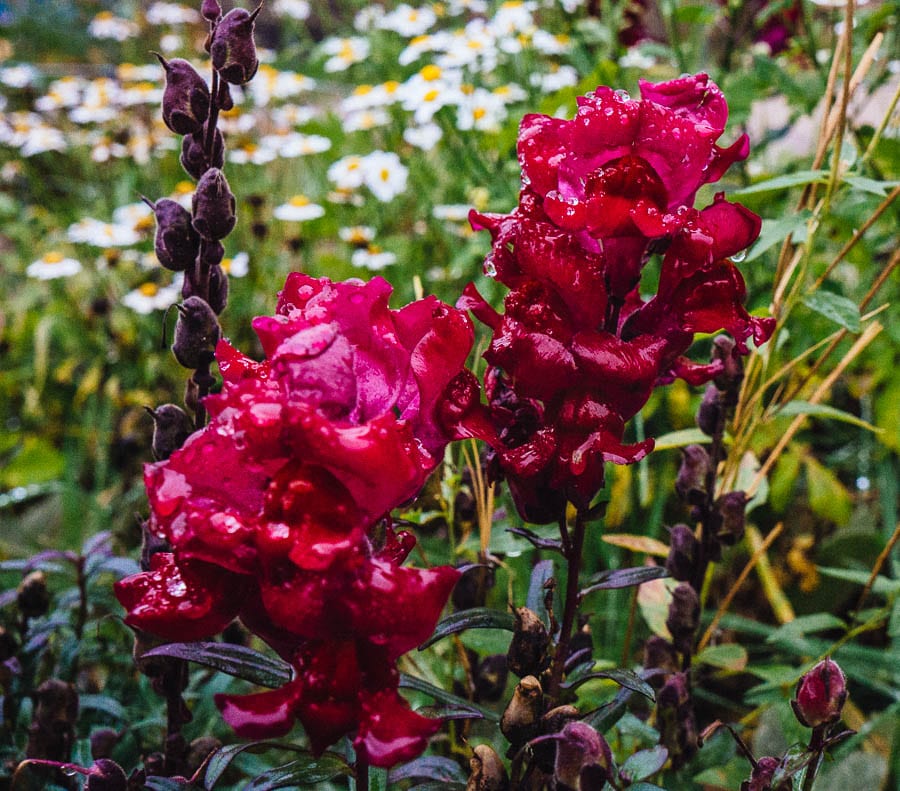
(185, 104)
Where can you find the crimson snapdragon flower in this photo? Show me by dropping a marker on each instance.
(277, 511)
(578, 350)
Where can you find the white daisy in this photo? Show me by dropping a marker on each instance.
(424, 136)
(295, 9)
(385, 175)
(347, 173)
(357, 235)
(408, 21)
(106, 25)
(238, 265)
(298, 209)
(345, 52)
(53, 265)
(171, 14)
(102, 234)
(149, 297)
(372, 258)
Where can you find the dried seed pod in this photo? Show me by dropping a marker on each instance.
(171, 427)
(213, 206)
(683, 550)
(684, 617)
(185, 104)
(527, 654)
(177, 243)
(521, 719)
(193, 153)
(196, 333)
(490, 678)
(487, 771)
(32, 596)
(232, 48)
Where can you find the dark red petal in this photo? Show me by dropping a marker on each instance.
(389, 731)
(264, 715)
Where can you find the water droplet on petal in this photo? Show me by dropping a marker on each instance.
(738, 257)
(489, 269)
(622, 95)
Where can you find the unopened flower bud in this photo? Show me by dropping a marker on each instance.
(490, 678)
(675, 719)
(763, 774)
(223, 97)
(171, 427)
(552, 723)
(691, 481)
(709, 415)
(527, 655)
(684, 616)
(472, 587)
(211, 10)
(821, 694)
(579, 745)
(106, 775)
(520, 722)
(32, 596)
(732, 509)
(213, 206)
(729, 380)
(185, 104)
(683, 549)
(213, 253)
(659, 654)
(193, 153)
(177, 243)
(196, 333)
(218, 289)
(487, 771)
(103, 742)
(232, 48)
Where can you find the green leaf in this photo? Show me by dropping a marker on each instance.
(645, 763)
(542, 572)
(841, 310)
(806, 624)
(883, 586)
(36, 462)
(784, 476)
(783, 182)
(793, 408)
(729, 656)
(680, 439)
(827, 496)
(624, 578)
(104, 703)
(776, 231)
(222, 758)
(429, 767)
(418, 684)
(233, 660)
(476, 618)
(863, 184)
(624, 678)
(307, 770)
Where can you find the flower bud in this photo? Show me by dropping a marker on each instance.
(659, 654)
(171, 427)
(211, 10)
(193, 153)
(106, 775)
(521, 719)
(683, 549)
(223, 97)
(729, 380)
(691, 480)
(821, 694)
(579, 745)
(32, 596)
(732, 509)
(185, 104)
(488, 772)
(675, 719)
(213, 206)
(103, 742)
(763, 774)
(212, 253)
(218, 289)
(177, 243)
(472, 587)
(232, 48)
(527, 655)
(709, 414)
(544, 749)
(684, 617)
(490, 678)
(196, 333)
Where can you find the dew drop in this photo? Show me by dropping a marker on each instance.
(489, 269)
(738, 257)
(622, 95)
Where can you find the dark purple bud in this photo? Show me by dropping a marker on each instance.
(729, 380)
(821, 694)
(212, 253)
(683, 550)
(218, 289)
(192, 395)
(579, 745)
(193, 153)
(171, 428)
(691, 481)
(527, 655)
(552, 723)
(223, 97)
(32, 596)
(521, 719)
(211, 10)
(490, 678)
(106, 775)
(103, 741)
(185, 104)
(659, 654)
(487, 771)
(196, 333)
(709, 415)
(232, 48)
(762, 774)
(675, 719)
(684, 617)
(213, 206)
(177, 243)
(732, 509)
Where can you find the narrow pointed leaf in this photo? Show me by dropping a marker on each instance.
(783, 182)
(307, 770)
(476, 618)
(841, 310)
(793, 408)
(222, 758)
(429, 767)
(411, 682)
(645, 763)
(233, 660)
(624, 678)
(624, 578)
